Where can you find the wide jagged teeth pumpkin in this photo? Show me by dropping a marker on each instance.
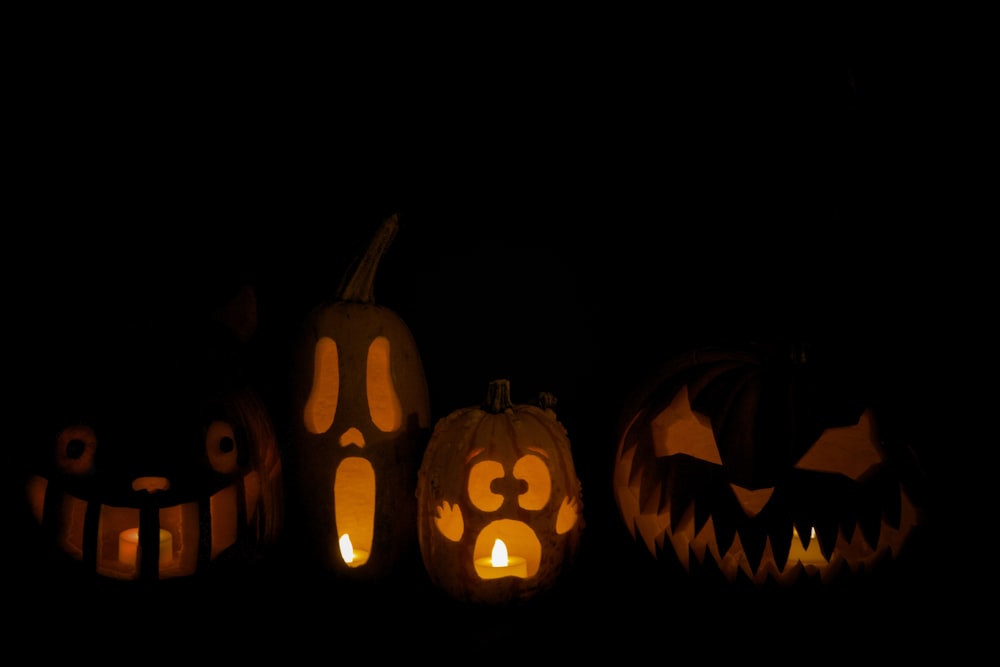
(744, 463)
(500, 510)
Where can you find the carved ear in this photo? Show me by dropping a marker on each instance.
(239, 314)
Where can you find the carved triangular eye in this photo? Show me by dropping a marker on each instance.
(848, 450)
(681, 430)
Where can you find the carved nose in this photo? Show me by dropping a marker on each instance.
(151, 484)
(352, 436)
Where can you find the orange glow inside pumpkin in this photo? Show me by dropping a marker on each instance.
(384, 406)
(852, 451)
(354, 481)
(321, 405)
(354, 503)
(383, 402)
(128, 547)
(353, 557)
(500, 564)
(119, 555)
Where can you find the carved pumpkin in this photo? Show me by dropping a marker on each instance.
(500, 509)
(744, 464)
(361, 420)
(163, 460)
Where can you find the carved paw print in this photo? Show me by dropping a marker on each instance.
(449, 521)
(569, 513)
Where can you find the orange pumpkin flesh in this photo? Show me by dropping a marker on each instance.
(498, 477)
(164, 459)
(360, 420)
(737, 464)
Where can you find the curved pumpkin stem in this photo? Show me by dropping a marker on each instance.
(498, 397)
(358, 284)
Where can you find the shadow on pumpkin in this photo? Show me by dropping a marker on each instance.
(156, 457)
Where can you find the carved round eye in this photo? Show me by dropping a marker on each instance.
(533, 470)
(480, 476)
(75, 449)
(220, 447)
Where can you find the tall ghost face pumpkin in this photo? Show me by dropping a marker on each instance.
(500, 510)
(744, 464)
(360, 419)
(161, 460)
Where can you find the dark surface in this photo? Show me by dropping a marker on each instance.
(564, 242)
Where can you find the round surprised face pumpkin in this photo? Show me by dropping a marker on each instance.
(742, 465)
(500, 508)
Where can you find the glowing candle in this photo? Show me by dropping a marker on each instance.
(810, 556)
(353, 557)
(128, 546)
(499, 564)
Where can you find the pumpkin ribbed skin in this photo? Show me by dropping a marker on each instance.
(731, 454)
(360, 419)
(162, 459)
(498, 470)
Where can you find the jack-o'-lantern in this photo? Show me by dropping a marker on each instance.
(360, 416)
(500, 510)
(163, 461)
(743, 463)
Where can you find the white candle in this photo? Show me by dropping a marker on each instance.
(353, 557)
(810, 556)
(499, 564)
(128, 546)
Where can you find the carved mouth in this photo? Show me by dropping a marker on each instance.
(148, 542)
(745, 550)
(782, 561)
(519, 540)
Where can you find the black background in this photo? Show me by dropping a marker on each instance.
(571, 216)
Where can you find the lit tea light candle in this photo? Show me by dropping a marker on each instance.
(810, 556)
(353, 557)
(128, 546)
(499, 564)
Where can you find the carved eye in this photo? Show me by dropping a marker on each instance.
(848, 450)
(535, 473)
(321, 407)
(680, 430)
(481, 476)
(383, 402)
(75, 450)
(220, 447)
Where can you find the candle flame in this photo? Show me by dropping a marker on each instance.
(812, 533)
(346, 548)
(499, 556)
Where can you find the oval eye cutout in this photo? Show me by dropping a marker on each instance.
(76, 446)
(848, 450)
(680, 430)
(321, 406)
(480, 476)
(533, 470)
(383, 402)
(220, 447)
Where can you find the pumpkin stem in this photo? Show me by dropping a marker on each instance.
(498, 397)
(545, 400)
(358, 284)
